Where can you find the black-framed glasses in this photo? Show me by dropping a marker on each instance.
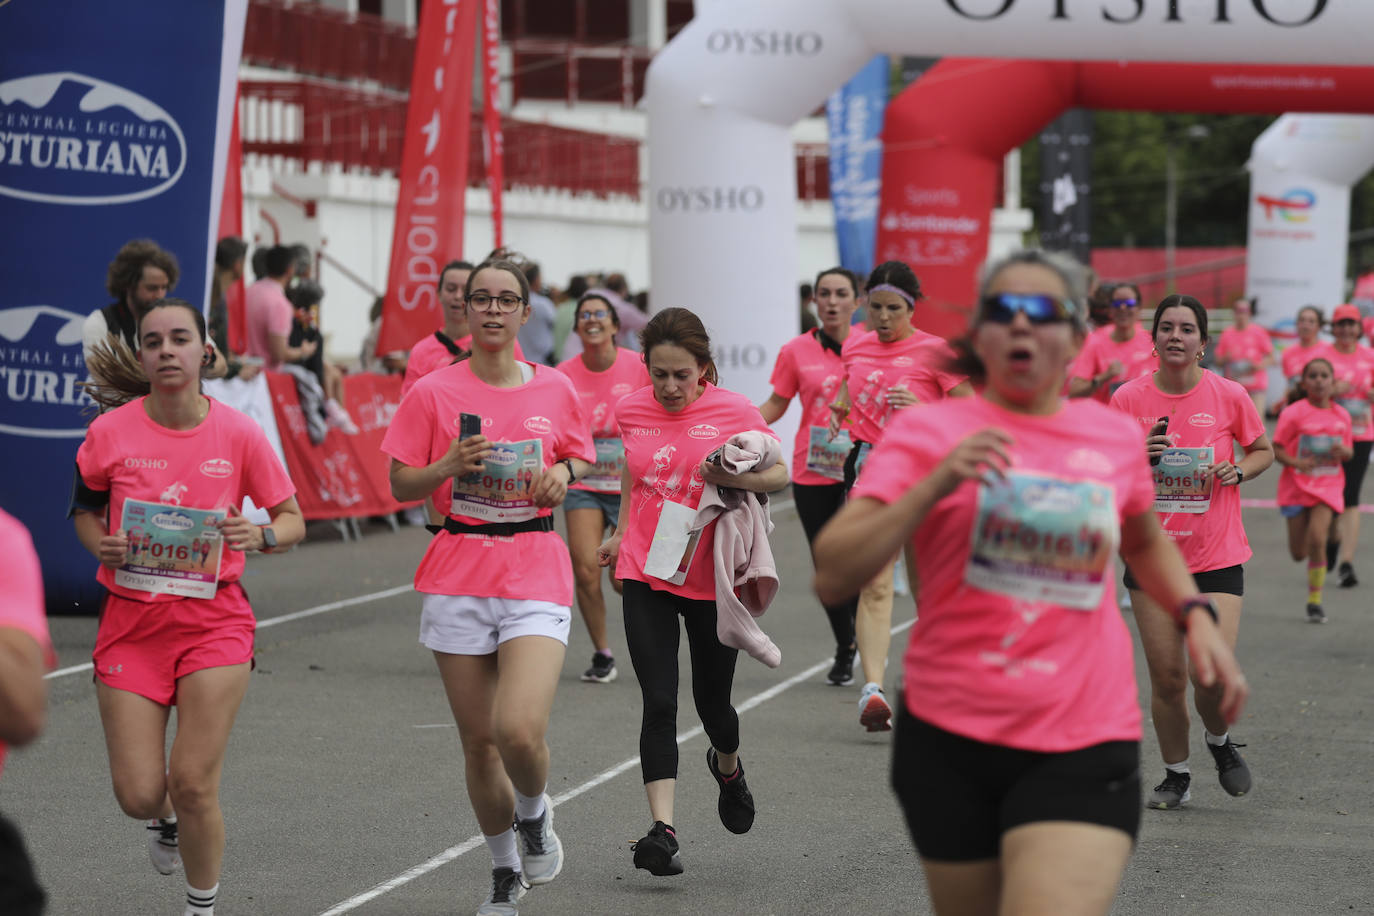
(1125, 303)
(589, 315)
(1038, 309)
(485, 302)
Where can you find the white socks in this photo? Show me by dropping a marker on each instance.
(1216, 740)
(199, 902)
(528, 808)
(1180, 767)
(503, 851)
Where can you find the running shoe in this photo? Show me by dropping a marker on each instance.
(507, 887)
(658, 852)
(541, 852)
(1315, 614)
(602, 670)
(336, 415)
(874, 712)
(1348, 577)
(736, 802)
(162, 845)
(1232, 772)
(842, 672)
(1172, 792)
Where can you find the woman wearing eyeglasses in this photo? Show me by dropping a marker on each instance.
(602, 374)
(1245, 353)
(1019, 704)
(496, 579)
(1195, 419)
(1116, 353)
(1353, 366)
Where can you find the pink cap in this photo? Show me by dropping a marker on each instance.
(1346, 312)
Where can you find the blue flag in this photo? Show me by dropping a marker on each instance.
(854, 114)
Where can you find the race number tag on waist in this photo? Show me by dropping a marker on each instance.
(1182, 480)
(610, 461)
(172, 550)
(1322, 450)
(674, 544)
(501, 491)
(826, 457)
(1358, 408)
(1043, 539)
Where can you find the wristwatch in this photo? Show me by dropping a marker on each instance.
(1240, 475)
(269, 539)
(567, 462)
(1188, 604)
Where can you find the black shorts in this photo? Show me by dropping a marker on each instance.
(1229, 580)
(961, 795)
(1354, 474)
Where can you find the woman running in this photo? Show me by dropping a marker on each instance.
(1114, 354)
(669, 429)
(1196, 419)
(810, 366)
(1307, 347)
(171, 634)
(1311, 441)
(602, 374)
(1017, 753)
(1245, 354)
(1353, 366)
(887, 370)
(496, 579)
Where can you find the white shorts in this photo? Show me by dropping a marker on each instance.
(463, 625)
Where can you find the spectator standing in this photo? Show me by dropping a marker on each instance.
(229, 257)
(269, 314)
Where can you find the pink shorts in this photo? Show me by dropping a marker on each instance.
(145, 647)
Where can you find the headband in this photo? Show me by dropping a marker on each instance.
(889, 288)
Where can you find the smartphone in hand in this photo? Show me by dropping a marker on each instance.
(1160, 428)
(469, 425)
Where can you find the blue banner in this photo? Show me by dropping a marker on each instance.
(113, 126)
(854, 114)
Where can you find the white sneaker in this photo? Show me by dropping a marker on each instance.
(541, 852)
(338, 418)
(162, 845)
(507, 887)
(874, 712)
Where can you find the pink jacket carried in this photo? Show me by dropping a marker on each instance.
(746, 579)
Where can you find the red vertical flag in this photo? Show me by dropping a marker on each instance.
(493, 141)
(434, 169)
(231, 223)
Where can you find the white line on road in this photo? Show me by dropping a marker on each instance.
(471, 843)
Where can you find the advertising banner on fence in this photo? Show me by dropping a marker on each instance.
(854, 116)
(103, 144)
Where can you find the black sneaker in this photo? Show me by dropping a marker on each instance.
(658, 852)
(1333, 550)
(736, 804)
(507, 887)
(1172, 792)
(1231, 769)
(1348, 577)
(602, 670)
(842, 673)
(1315, 614)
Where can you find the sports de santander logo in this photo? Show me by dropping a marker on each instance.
(67, 138)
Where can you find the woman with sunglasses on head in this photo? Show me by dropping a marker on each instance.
(1019, 704)
(810, 367)
(1113, 354)
(1307, 347)
(602, 374)
(1195, 419)
(1353, 365)
(1245, 353)
(888, 369)
(178, 464)
(497, 580)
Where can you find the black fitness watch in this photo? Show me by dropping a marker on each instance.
(1189, 604)
(269, 539)
(567, 462)
(1240, 475)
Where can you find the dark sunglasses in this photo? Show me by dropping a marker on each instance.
(1038, 309)
(1125, 303)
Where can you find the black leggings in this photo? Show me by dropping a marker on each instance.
(652, 635)
(816, 505)
(1354, 474)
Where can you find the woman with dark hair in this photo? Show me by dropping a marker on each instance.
(1307, 347)
(1353, 366)
(669, 430)
(1017, 750)
(1113, 354)
(809, 366)
(887, 369)
(1245, 353)
(1195, 420)
(602, 374)
(171, 633)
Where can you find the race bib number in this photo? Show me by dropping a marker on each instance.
(604, 477)
(826, 457)
(172, 550)
(1039, 538)
(1322, 450)
(1358, 408)
(674, 545)
(1182, 481)
(501, 491)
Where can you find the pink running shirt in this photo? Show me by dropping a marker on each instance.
(267, 313)
(600, 392)
(21, 584)
(1136, 356)
(805, 368)
(1250, 345)
(919, 363)
(1295, 356)
(1357, 370)
(1217, 413)
(663, 452)
(1016, 645)
(1306, 430)
(533, 565)
(212, 466)
(429, 354)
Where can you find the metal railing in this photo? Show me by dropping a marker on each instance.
(317, 40)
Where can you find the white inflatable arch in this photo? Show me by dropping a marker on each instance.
(724, 93)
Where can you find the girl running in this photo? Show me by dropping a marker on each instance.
(887, 370)
(1113, 354)
(1308, 345)
(810, 366)
(1245, 354)
(1017, 752)
(602, 374)
(1196, 419)
(1353, 366)
(669, 429)
(496, 579)
(169, 636)
(1312, 439)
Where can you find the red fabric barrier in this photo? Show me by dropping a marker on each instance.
(344, 476)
